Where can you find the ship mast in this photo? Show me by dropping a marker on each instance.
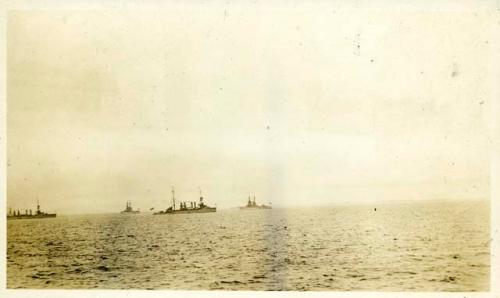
(173, 199)
(201, 198)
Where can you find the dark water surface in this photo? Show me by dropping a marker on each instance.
(414, 247)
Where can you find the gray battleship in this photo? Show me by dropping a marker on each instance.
(129, 210)
(187, 207)
(28, 214)
(252, 205)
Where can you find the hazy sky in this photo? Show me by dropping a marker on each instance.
(297, 106)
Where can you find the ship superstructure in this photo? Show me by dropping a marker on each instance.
(28, 213)
(129, 209)
(252, 204)
(187, 207)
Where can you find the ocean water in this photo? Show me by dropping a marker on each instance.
(404, 247)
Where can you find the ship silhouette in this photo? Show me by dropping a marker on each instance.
(187, 207)
(28, 214)
(252, 205)
(129, 210)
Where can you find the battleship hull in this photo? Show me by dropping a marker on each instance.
(255, 208)
(252, 205)
(187, 211)
(10, 217)
(130, 212)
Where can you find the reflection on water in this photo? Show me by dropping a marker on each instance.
(416, 247)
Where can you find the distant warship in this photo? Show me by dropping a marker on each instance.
(28, 214)
(129, 210)
(187, 207)
(253, 205)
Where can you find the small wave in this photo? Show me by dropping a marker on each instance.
(77, 270)
(103, 268)
(405, 272)
(37, 276)
(231, 282)
(482, 253)
(479, 265)
(46, 273)
(449, 279)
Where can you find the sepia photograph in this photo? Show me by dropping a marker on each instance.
(328, 146)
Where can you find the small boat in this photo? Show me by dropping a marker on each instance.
(129, 209)
(252, 205)
(187, 207)
(28, 214)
